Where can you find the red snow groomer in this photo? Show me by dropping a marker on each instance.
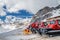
(50, 26)
(34, 27)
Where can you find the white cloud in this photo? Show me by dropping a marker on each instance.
(58, 1)
(30, 5)
(38, 4)
(2, 13)
(1, 21)
(17, 7)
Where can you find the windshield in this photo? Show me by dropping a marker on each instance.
(58, 21)
(52, 22)
(45, 23)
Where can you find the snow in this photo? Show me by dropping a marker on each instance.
(16, 34)
(23, 37)
(53, 13)
(8, 30)
(11, 27)
(10, 24)
(56, 13)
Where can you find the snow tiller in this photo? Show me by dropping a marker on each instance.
(49, 27)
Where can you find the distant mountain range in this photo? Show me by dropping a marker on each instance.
(39, 15)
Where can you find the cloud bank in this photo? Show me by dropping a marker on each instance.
(30, 5)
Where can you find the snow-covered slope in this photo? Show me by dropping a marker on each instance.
(10, 25)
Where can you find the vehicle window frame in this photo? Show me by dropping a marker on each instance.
(58, 22)
(52, 22)
(45, 23)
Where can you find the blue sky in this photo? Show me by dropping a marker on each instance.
(21, 13)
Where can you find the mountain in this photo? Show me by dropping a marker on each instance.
(41, 12)
(44, 13)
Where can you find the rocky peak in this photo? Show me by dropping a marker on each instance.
(41, 12)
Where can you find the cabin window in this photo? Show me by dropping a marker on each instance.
(52, 22)
(45, 23)
(59, 22)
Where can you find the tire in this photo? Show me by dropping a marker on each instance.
(33, 30)
(39, 31)
(51, 35)
(29, 27)
(43, 31)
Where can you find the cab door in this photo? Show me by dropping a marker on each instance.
(58, 24)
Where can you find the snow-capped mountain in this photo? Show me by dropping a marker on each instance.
(14, 23)
(46, 12)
